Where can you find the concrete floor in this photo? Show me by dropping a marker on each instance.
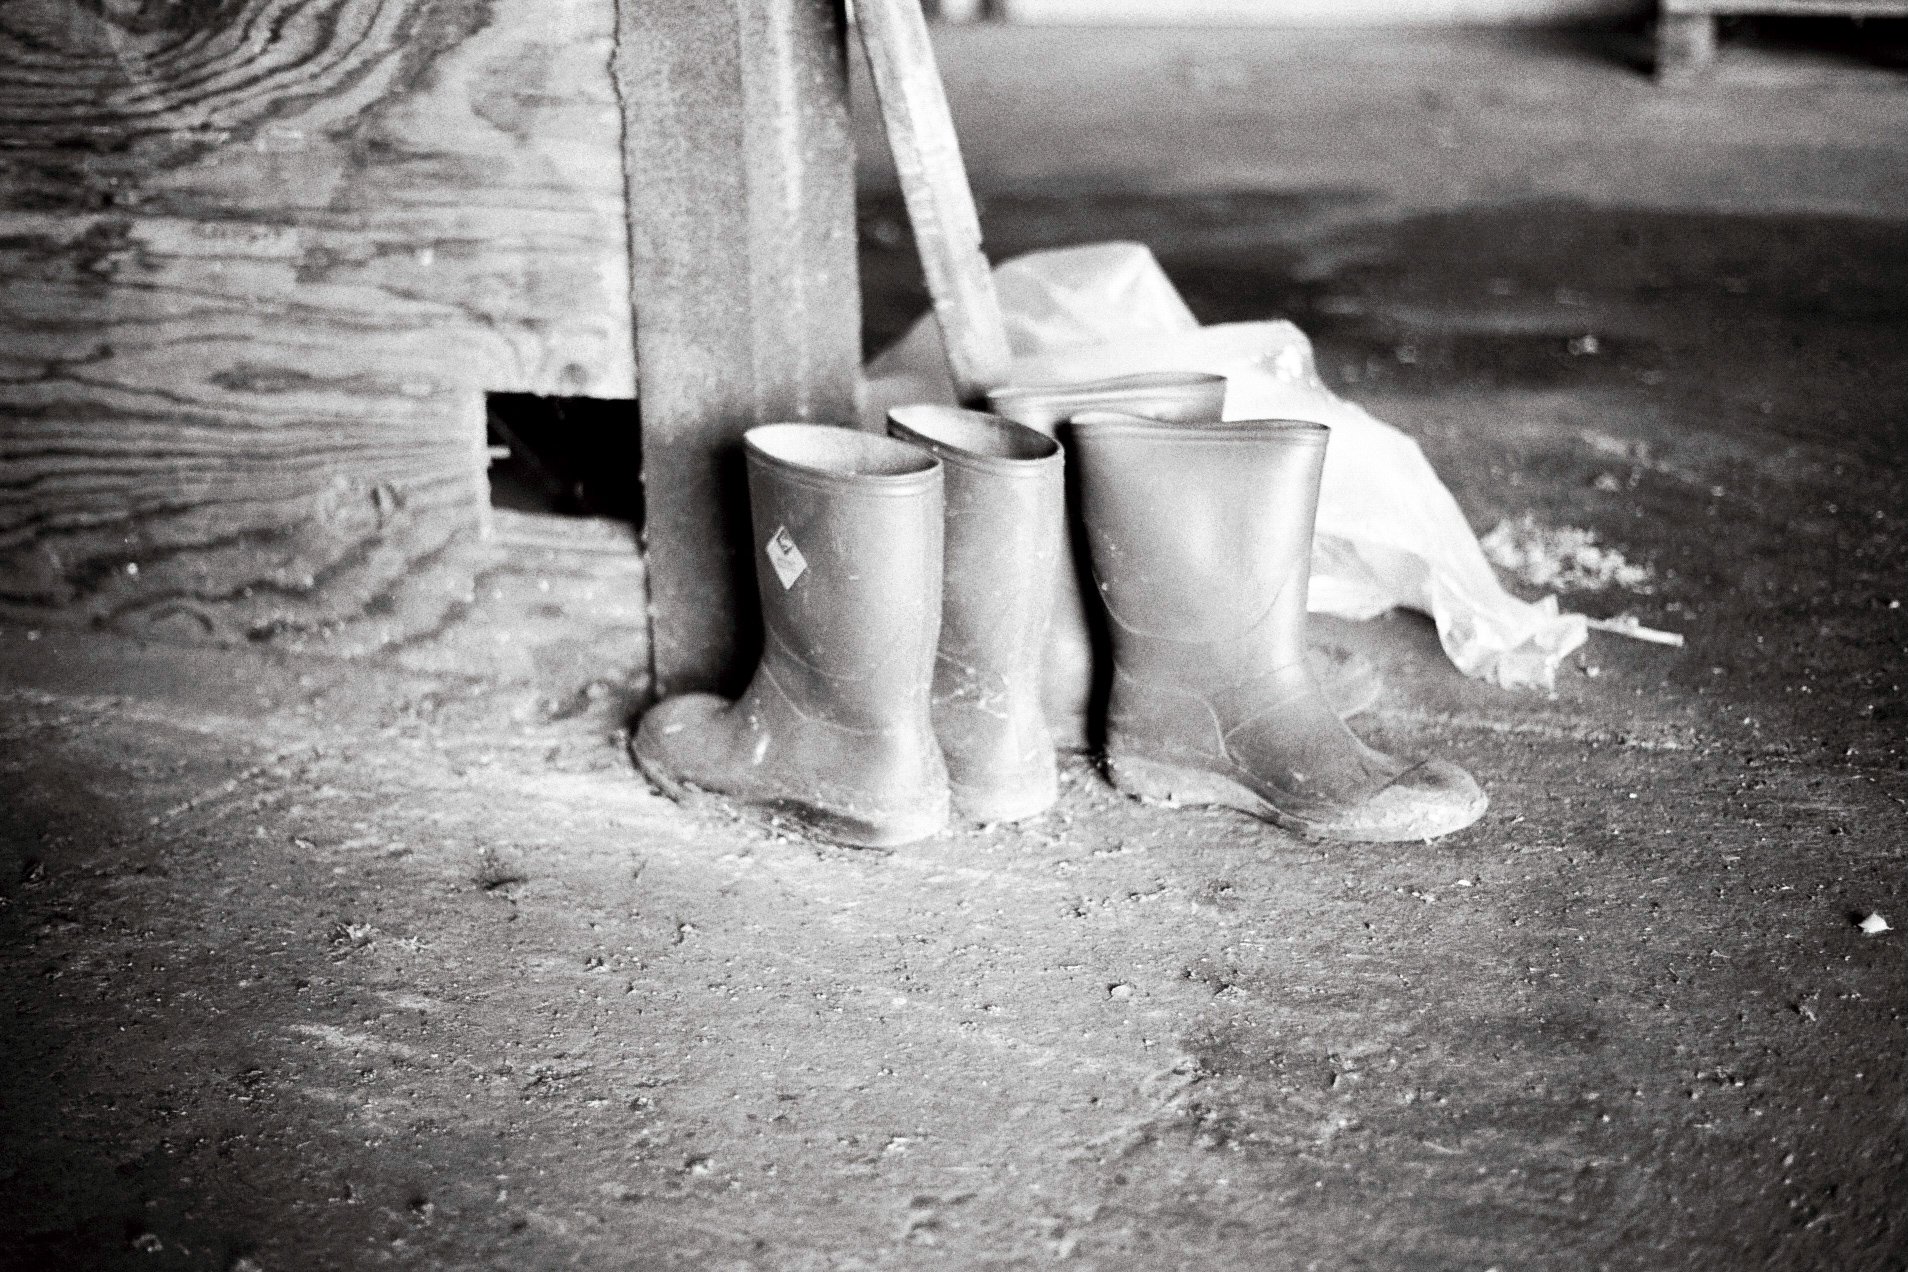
(314, 964)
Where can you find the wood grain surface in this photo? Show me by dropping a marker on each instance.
(259, 261)
(557, 603)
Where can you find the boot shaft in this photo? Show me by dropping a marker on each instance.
(1193, 397)
(848, 559)
(1004, 536)
(1004, 527)
(1201, 533)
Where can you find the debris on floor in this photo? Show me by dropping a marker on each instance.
(1627, 625)
(1562, 558)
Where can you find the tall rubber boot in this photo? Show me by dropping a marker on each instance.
(1349, 680)
(1201, 542)
(1003, 538)
(833, 732)
(1071, 696)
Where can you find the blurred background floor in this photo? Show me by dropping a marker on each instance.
(1402, 120)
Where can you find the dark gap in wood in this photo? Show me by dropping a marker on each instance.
(568, 456)
(1687, 42)
(1877, 41)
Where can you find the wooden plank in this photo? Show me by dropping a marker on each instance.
(741, 207)
(558, 602)
(927, 159)
(252, 291)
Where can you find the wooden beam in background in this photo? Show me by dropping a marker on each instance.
(1685, 44)
(1793, 8)
(1686, 29)
(743, 276)
(1326, 13)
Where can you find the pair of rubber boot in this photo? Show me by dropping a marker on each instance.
(905, 584)
(905, 590)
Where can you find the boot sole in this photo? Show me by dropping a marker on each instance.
(977, 804)
(784, 814)
(1151, 779)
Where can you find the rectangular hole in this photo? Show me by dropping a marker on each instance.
(565, 456)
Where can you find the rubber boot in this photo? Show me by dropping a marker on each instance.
(1349, 680)
(1003, 539)
(1201, 542)
(833, 733)
(1069, 692)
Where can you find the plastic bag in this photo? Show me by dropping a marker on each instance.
(1389, 532)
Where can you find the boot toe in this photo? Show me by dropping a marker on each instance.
(1429, 799)
(700, 741)
(672, 738)
(1010, 799)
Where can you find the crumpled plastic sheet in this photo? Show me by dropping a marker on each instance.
(1389, 532)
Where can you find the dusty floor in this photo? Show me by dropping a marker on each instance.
(316, 965)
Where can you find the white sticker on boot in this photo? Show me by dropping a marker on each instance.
(787, 559)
